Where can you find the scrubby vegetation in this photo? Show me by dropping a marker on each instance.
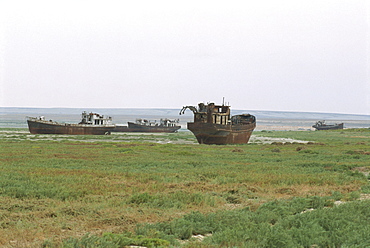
(163, 190)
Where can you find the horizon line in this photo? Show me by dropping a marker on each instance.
(287, 111)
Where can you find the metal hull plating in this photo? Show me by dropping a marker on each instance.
(133, 127)
(48, 127)
(209, 133)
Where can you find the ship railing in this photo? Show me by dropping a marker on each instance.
(89, 125)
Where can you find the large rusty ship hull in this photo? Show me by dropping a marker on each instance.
(213, 124)
(209, 133)
(49, 127)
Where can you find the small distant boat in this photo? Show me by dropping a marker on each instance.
(321, 125)
(147, 126)
(213, 125)
(91, 124)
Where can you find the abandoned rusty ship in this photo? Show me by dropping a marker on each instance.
(321, 125)
(91, 124)
(213, 124)
(147, 126)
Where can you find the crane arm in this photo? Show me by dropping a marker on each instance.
(192, 108)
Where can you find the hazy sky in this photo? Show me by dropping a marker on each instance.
(311, 56)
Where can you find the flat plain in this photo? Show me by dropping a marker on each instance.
(283, 189)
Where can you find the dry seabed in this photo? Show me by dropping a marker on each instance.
(184, 137)
(87, 189)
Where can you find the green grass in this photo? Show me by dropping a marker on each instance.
(70, 191)
(280, 223)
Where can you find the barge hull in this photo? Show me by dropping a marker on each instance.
(152, 129)
(132, 127)
(36, 127)
(329, 127)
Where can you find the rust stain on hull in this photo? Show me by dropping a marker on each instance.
(213, 125)
(220, 135)
(45, 128)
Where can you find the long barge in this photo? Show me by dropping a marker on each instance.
(146, 126)
(91, 124)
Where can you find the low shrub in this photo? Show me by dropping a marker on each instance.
(284, 223)
(112, 241)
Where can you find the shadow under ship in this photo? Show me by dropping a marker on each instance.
(321, 125)
(91, 124)
(213, 125)
(147, 126)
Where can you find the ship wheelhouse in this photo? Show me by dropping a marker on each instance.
(95, 119)
(214, 114)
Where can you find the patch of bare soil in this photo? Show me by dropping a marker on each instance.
(268, 140)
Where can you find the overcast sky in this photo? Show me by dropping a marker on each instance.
(311, 56)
